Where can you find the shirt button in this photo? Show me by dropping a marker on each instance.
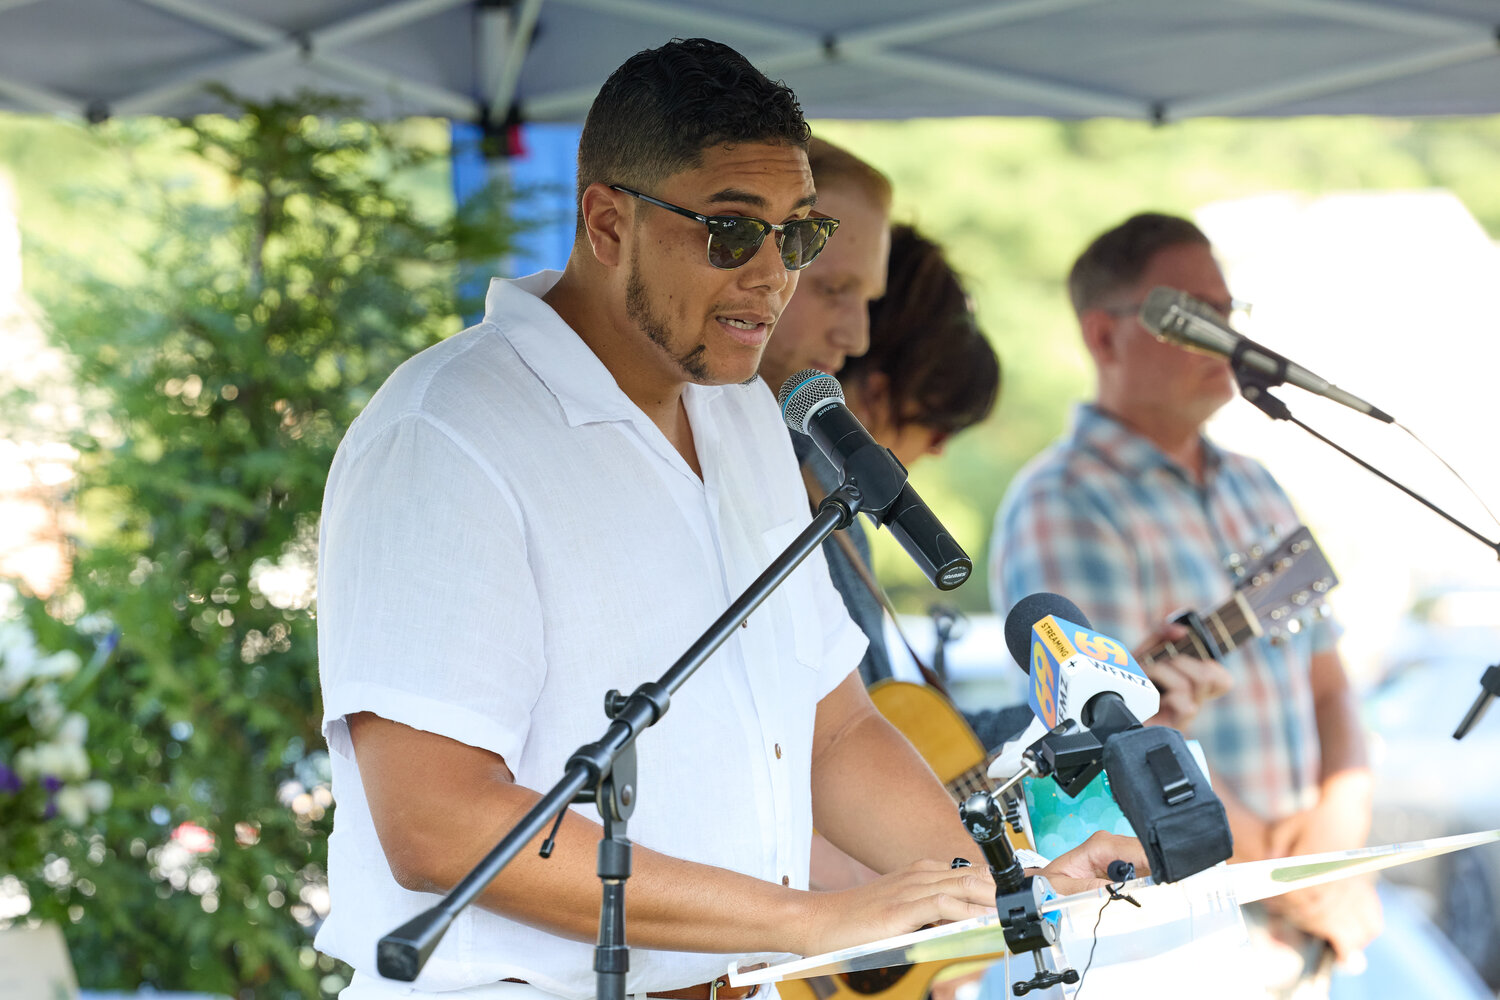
(786, 880)
(778, 751)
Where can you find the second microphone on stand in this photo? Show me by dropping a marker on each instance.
(812, 403)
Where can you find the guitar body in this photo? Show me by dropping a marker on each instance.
(932, 724)
(941, 734)
(936, 980)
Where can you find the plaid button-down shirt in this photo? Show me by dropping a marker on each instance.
(1106, 519)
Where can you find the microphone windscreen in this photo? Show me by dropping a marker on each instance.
(1162, 310)
(803, 393)
(1030, 610)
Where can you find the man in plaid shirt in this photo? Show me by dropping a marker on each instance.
(1135, 515)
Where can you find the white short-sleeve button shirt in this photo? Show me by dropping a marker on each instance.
(505, 537)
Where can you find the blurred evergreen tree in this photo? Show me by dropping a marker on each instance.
(287, 272)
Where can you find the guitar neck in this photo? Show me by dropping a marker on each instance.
(1222, 631)
(975, 779)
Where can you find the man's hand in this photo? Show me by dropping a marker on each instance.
(926, 892)
(1346, 914)
(1085, 867)
(1185, 682)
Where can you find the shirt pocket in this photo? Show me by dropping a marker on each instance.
(793, 607)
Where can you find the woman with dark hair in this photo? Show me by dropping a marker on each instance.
(930, 372)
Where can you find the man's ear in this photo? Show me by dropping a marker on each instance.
(1100, 335)
(604, 222)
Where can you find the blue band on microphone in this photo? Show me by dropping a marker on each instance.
(786, 397)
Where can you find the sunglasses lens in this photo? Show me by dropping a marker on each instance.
(803, 240)
(732, 241)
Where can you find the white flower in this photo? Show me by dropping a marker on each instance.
(73, 763)
(58, 760)
(99, 794)
(27, 765)
(46, 711)
(73, 730)
(59, 665)
(72, 805)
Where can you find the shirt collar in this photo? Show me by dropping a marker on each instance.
(584, 388)
(1130, 453)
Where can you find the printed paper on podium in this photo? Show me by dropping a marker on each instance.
(1203, 909)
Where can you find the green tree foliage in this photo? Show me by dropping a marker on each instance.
(1014, 201)
(285, 271)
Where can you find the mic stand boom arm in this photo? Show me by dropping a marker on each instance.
(608, 768)
(1255, 386)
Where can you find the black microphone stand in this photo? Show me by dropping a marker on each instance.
(1018, 896)
(603, 772)
(1255, 386)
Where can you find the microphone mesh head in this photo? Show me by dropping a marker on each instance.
(804, 393)
(1163, 311)
(1030, 610)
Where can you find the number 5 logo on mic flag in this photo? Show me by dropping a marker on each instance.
(1043, 685)
(1101, 648)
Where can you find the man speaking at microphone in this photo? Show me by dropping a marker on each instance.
(1132, 515)
(559, 501)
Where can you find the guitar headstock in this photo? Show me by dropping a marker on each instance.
(1282, 587)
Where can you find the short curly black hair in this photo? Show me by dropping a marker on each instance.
(663, 107)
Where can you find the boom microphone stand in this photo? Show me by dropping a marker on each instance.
(603, 772)
(1255, 385)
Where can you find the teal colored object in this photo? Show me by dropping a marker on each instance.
(1060, 822)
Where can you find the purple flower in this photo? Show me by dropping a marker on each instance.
(52, 783)
(10, 781)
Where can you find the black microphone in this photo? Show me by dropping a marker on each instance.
(812, 403)
(1180, 319)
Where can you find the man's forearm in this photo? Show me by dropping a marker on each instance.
(877, 800)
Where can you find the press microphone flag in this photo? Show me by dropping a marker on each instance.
(1180, 319)
(812, 403)
(1070, 664)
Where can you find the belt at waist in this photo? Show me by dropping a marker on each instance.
(719, 989)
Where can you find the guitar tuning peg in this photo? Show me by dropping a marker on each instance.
(1277, 614)
(1321, 586)
(1235, 563)
(1300, 598)
(1256, 552)
(1300, 547)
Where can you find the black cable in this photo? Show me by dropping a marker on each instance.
(1128, 873)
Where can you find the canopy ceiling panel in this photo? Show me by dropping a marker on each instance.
(1153, 59)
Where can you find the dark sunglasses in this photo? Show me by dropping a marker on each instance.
(733, 239)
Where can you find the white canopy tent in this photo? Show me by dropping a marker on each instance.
(475, 60)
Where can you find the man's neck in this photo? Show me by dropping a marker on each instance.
(658, 394)
(1179, 439)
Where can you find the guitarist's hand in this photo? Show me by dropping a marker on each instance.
(1185, 682)
(926, 892)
